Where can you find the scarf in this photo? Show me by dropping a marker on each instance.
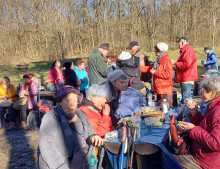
(69, 135)
(27, 87)
(156, 62)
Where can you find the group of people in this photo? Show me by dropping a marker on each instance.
(118, 92)
(91, 103)
(21, 101)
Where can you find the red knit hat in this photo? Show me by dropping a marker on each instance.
(28, 76)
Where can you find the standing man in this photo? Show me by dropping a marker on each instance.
(136, 52)
(97, 64)
(186, 68)
(212, 60)
(138, 55)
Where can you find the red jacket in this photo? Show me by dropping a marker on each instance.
(186, 66)
(206, 136)
(101, 124)
(54, 74)
(162, 78)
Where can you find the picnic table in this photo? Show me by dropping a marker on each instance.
(148, 143)
(20, 67)
(49, 95)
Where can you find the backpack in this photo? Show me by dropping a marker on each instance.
(178, 144)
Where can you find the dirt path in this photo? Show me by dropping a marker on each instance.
(18, 149)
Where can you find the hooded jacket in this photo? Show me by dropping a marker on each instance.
(130, 102)
(100, 122)
(212, 61)
(206, 136)
(162, 78)
(98, 68)
(82, 74)
(10, 92)
(186, 66)
(55, 74)
(31, 93)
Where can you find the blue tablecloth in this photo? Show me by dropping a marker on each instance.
(156, 136)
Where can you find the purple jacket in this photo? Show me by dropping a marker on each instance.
(31, 94)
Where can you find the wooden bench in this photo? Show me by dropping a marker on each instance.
(20, 67)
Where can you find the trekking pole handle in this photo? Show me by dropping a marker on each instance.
(124, 134)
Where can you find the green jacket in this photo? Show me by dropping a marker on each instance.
(98, 68)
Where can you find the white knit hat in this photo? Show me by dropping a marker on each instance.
(124, 55)
(162, 46)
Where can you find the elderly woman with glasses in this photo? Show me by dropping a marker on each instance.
(66, 138)
(97, 110)
(204, 130)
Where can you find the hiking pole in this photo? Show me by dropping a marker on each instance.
(123, 140)
(129, 126)
(133, 142)
(101, 155)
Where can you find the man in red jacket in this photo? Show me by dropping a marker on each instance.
(186, 68)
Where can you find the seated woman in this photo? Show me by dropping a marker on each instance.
(66, 138)
(97, 110)
(131, 100)
(204, 130)
(7, 92)
(55, 76)
(27, 89)
(70, 76)
(162, 72)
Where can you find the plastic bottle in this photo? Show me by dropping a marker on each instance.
(165, 106)
(92, 162)
(137, 123)
(149, 99)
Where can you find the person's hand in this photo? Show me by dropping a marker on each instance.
(47, 82)
(186, 126)
(21, 94)
(173, 61)
(85, 79)
(204, 62)
(192, 105)
(3, 97)
(97, 140)
(152, 71)
(106, 109)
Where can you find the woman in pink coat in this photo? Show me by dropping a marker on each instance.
(55, 75)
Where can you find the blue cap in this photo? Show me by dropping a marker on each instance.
(207, 48)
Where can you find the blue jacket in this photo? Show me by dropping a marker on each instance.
(212, 61)
(81, 74)
(130, 102)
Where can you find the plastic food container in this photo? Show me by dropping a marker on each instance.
(153, 118)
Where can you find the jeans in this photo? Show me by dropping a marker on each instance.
(186, 91)
(2, 112)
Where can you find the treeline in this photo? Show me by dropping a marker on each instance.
(34, 30)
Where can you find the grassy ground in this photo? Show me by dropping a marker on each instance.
(18, 149)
